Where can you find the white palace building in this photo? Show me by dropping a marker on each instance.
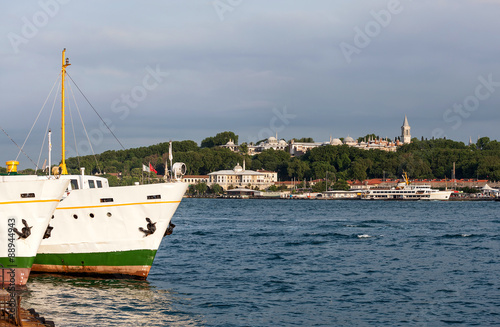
(240, 177)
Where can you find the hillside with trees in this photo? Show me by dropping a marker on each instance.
(420, 159)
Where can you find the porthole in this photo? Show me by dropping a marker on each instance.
(75, 216)
(109, 214)
(52, 217)
(91, 215)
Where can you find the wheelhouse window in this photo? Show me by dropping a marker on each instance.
(74, 184)
(99, 184)
(91, 183)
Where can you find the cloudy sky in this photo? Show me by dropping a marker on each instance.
(161, 70)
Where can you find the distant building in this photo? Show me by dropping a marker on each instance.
(271, 143)
(231, 146)
(378, 144)
(272, 176)
(240, 177)
(405, 132)
(300, 148)
(195, 179)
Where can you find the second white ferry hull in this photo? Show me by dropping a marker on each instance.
(104, 231)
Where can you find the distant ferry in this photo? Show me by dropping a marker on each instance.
(405, 191)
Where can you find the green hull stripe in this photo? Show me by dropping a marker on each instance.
(18, 262)
(121, 258)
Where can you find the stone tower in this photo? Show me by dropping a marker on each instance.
(405, 132)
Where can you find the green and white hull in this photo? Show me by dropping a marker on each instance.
(26, 206)
(104, 231)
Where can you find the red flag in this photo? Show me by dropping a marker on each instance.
(152, 169)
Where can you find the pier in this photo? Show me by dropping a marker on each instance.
(12, 314)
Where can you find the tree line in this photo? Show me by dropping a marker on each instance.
(421, 159)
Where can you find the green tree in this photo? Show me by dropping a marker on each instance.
(217, 189)
(244, 148)
(320, 169)
(341, 185)
(272, 188)
(368, 137)
(304, 140)
(321, 186)
(208, 142)
(358, 171)
(482, 142)
(201, 188)
(297, 168)
(113, 180)
(219, 139)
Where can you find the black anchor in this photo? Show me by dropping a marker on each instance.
(151, 228)
(25, 231)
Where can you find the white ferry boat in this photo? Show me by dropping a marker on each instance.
(26, 206)
(109, 231)
(406, 191)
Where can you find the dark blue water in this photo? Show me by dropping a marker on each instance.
(302, 263)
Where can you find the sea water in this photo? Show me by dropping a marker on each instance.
(301, 263)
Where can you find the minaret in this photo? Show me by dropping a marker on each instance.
(405, 132)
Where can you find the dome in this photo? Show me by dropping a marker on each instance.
(230, 142)
(336, 142)
(348, 139)
(238, 168)
(272, 139)
(282, 142)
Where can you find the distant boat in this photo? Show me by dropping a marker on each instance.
(108, 231)
(26, 206)
(406, 191)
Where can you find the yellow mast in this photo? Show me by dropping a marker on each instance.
(65, 63)
(407, 181)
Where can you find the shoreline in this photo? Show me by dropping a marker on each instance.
(454, 199)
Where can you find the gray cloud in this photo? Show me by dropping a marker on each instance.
(230, 74)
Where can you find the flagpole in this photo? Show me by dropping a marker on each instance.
(50, 151)
(170, 154)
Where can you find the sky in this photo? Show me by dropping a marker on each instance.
(185, 70)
